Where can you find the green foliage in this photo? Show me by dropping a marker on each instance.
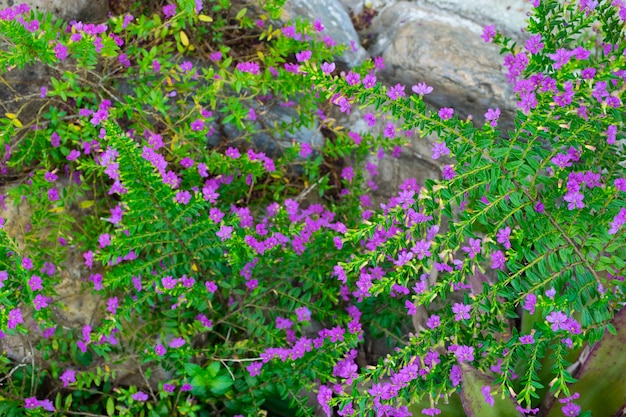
(228, 294)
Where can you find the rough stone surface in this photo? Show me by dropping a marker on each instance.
(427, 45)
(80, 10)
(336, 22)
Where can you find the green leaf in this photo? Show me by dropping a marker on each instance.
(110, 406)
(473, 399)
(221, 384)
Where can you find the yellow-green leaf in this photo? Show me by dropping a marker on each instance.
(183, 38)
(86, 204)
(205, 18)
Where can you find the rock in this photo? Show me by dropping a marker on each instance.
(421, 44)
(337, 25)
(508, 16)
(79, 10)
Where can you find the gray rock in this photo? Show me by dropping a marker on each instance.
(80, 10)
(446, 51)
(336, 22)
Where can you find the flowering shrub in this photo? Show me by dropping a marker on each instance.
(227, 292)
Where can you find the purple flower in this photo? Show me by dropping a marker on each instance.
(31, 402)
(303, 313)
(68, 377)
(327, 67)
(390, 131)
(40, 302)
(186, 66)
(558, 320)
(571, 410)
(169, 10)
(34, 283)
(422, 89)
(561, 57)
(529, 304)
(574, 200)
(140, 396)
(303, 56)
(433, 322)
(305, 150)
(448, 172)
(60, 51)
(503, 237)
(492, 116)
(370, 119)
(498, 260)
(463, 353)
(473, 249)
(160, 350)
(534, 44)
(255, 368)
(461, 311)
(396, 92)
(446, 113)
(249, 67)
(197, 125)
(369, 81)
(183, 197)
(486, 391)
(112, 305)
(439, 149)
(353, 78)
(15, 318)
(74, 154)
(489, 32)
(177, 342)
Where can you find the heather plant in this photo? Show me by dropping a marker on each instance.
(229, 288)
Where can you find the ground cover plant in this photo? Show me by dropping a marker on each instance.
(240, 269)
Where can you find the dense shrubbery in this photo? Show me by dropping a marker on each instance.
(230, 288)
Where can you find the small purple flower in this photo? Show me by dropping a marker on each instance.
(197, 125)
(370, 119)
(328, 67)
(446, 113)
(40, 301)
(68, 377)
(530, 302)
(486, 391)
(140, 396)
(177, 342)
(558, 320)
(15, 318)
(448, 172)
(489, 32)
(527, 339)
(255, 368)
(160, 350)
(492, 116)
(169, 10)
(369, 81)
(433, 322)
(439, 149)
(303, 56)
(31, 402)
(473, 249)
(463, 353)
(396, 92)
(422, 89)
(498, 260)
(60, 52)
(461, 311)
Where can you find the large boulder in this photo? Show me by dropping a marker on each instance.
(423, 44)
